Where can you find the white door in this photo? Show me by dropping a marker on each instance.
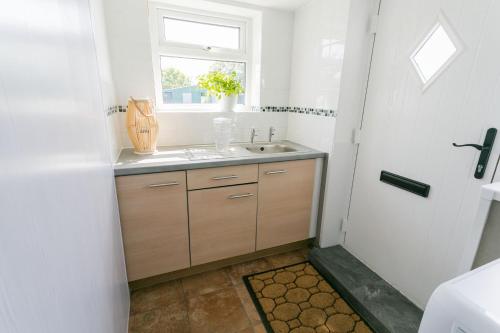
(413, 242)
(496, 176)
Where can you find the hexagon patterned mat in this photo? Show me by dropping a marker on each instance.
(297, 299)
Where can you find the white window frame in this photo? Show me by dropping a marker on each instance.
(161, 47)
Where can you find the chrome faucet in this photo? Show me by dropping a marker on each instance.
(252, 135)
(271, 133)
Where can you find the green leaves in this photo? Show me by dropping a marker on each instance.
(219, 83)
(174, 78)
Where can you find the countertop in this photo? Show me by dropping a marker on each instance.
(204, 156)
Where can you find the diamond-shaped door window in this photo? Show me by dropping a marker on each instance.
(436, 52)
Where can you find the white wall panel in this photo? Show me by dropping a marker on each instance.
(319, 37)
(61, 256)
(359, 45)
(331, 53)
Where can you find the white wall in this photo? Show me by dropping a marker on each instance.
(130, 48)
(105, 74)
(186, 128)
(277, 37)
(131, 61)
(319, 36)
(313, 131)
(62, 266)
(496, 159)
(489, 247)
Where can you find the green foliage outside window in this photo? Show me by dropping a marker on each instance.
(174, 78)
(218, 83)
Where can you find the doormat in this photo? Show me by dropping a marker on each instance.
(297, 299)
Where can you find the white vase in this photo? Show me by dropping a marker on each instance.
(227, 103)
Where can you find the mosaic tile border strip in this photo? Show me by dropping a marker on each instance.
(294, 109)
(300, 110)
(114, 109)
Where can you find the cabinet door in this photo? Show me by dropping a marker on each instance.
(153, 213)
(222, 222)
(285, 202)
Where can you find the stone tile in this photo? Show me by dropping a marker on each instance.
(205, 283)
(381, 305)
(255, 329)
(259, 329)
(157, 296)
(236, 272)
(285, 259)
(384, 302)
(220, 311)
(168, 319)
(248, 304)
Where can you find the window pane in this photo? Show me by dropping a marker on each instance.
(202, 33)
(179, 79)
(435, 52)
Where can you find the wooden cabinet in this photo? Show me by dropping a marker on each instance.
(153, 213)
(232, 211)
(224, 176)
(222, 222)
(285, 202)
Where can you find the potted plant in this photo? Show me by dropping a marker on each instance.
(225, 87)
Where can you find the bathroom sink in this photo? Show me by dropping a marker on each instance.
(270, 148)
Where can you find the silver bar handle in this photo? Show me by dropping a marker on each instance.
(224, 177)
(163, 185)
(275, 172)
(239, 196)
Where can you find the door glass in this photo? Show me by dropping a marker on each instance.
(435, 53)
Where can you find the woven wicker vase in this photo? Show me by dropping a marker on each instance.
(142, 126)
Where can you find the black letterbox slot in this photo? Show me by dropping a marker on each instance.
(406, 184)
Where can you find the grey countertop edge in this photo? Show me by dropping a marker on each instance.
(201, 164)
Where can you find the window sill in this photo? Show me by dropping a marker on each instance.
(201, 109)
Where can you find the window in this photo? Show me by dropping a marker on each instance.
(179, 79)
(196, 33)
(439, 48)
(187, 44)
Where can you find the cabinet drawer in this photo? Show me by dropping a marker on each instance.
(154, 219)
(215, 177)
(222, 222)
(285, 202)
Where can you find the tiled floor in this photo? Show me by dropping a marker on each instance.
(212, 302)
(382, 306)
